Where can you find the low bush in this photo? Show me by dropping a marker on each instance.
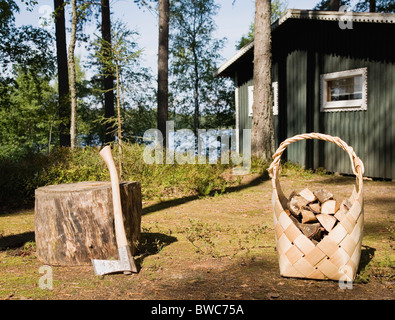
(19, 178)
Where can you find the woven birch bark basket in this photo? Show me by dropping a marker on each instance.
(337, 255)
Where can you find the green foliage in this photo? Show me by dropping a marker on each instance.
(246, 39)
(325, 4)
(361, 6)
(194, 56)
(383, 269)
(27, 114)
(27, 99)
(136, 104)
(20, 177)
(278, 9)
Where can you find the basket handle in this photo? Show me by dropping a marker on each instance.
(356, 163)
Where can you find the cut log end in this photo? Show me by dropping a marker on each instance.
(330, 207)
(327, 221)
(323, 195)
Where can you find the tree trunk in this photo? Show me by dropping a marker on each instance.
(119, 119)
(163, 68)
(334, 5)
(108, 81)
(262, 134)
(74, 222)
(196, 123)
(372, 5)
(72, 75)
(63, 74)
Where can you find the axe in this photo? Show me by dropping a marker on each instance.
(125, 263)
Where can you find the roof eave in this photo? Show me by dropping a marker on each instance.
(372, 17)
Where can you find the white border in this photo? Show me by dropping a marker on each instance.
(347, 105)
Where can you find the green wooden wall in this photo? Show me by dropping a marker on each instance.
(302, 51)
(371, 133)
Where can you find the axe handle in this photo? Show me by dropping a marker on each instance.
(120, 234)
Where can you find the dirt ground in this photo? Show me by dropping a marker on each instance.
(218, 247)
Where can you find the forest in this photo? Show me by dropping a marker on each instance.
(35, 116)
(51, 100)
(54, 106)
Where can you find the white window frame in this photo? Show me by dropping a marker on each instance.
(275, 99)
(250, 99)
(345, 105)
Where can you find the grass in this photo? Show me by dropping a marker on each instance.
(198, 246)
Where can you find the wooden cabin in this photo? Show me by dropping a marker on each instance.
(333, 73)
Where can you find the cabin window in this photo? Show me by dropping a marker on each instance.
(275, 99)
(344, 91)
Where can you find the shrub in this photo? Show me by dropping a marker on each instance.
(20, 177)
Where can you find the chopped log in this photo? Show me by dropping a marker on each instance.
(74, 223)
(317, 236)
(330, 207)
(294, 220)
(310, 230)
(307, 195)
(327, 221)
(296, 204)
(308, 216)
(315, 207)
(344, 207)
(323, 195)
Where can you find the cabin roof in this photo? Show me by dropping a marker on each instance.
(246, 52)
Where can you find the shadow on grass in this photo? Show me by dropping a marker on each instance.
(367, 254)
(151, 243)
(16, 240)
(338, 179)
(179, 201)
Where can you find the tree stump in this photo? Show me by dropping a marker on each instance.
(74, 222)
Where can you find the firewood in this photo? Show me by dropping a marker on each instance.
(327, 221)
(308, 216)
(309, 229)
(307, 195)
(330, 207)
(315, 207)
(294, 220)
(296, 204)
(323, 195)
(316, 213)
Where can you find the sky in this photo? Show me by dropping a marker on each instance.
(232, 21)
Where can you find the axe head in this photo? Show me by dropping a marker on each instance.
(125, 263)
